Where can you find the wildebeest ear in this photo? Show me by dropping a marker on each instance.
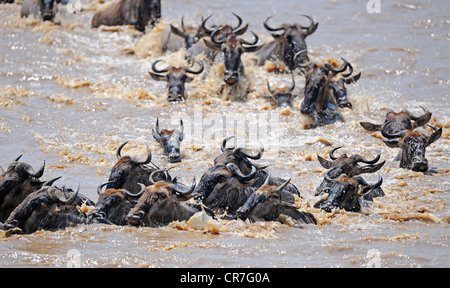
(188, 79)
(435, 136)
(392, 143)
(370, 127)
(211, 45)
(325, 163)
(353, 78)
(158, 77)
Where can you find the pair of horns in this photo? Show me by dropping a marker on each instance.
(242, 151)
(187, 70)
(146, 161)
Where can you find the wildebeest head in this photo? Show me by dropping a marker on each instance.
(232, 48)
(170, 140)
(128, 171)
(403, 120)
(49, 208)
(18, 181)
(190, 34)
(283, 98)
(326, 84)
(160, 204)
(412, 145)
(345, 191)
(113, 205)
(176, 77)
(292, 39)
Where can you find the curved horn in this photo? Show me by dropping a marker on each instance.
(332, 153)
(17, 159)
(214, 40)
(159, 70)
(350, 70)
(239, 21)
(388, 135)
(268, 87)
(99, 187)
(256, 39)
(247, 153)
(237, 172)
(365, 183)
(281, 187)
(224, 143)
(147, 160)
(37, 174)
(137, 195)
(50, 182)
(293, 83)
(206, 30)
(184, 192)
(120, 149)
(311, 22)
(266, 25)
(72, 197)
(359, 158)
(266, 183)
(200, 70)
(339, 69)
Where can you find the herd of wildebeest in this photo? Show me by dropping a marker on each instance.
(139, 193)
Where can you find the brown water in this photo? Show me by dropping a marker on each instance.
(71, 95)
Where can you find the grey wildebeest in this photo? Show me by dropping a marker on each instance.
(162, 203)
(270, 202)
(412, 144)
(17, 182)
(113, 205)
(176, 77)
(138, 13)
(170, 140)
(39, 8)
(129, 171)
(349, 165)
(174, 39)
(403, 120)
(50, 208)
(224, 32)
(289, 46)
(325, 89)
(281, 97)
(345, 192)
(232, 49)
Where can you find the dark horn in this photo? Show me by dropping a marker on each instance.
(391, 136)
(224, 143)
(237, 172)
(250, 43)
(159, 70)
(239, 21)
(281, 187)
(200, 70)
(99, 187)
(206, 30)
(50, 182)
(73, 197)
(332, 153)
(359, 158)
(120, 149)
(339, 69)
(266, 25)
(311, 22)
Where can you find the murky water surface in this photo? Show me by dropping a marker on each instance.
(71, 95)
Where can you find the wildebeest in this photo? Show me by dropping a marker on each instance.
(44, 8)
(232, 49)
(160, 204)
(412, 145)
(349, 166)
(138, 13)
(325, 89)
(129, 171)
(113, 205)
(289, 46)
(176, 77)
(50, 208)
(269, 202)
(345, 192)
(282, 97)
(174, 39)
(403, 120)
(170, 140)
(223, 32)
(17, 182)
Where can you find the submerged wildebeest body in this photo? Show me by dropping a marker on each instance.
(282, 97)
(16, 183)
(50, 208)
(170, 140)
(138, 13)
(289, 46)
(113, 206)
(412, 144)
(325, 89)
(39, 8)
(176, 77)
(345, 192)
(349, 166)
(270, 202)
(129, 171)
(403, 120)
(174, 39)
(162, 203)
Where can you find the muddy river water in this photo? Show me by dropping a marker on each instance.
(71, 95)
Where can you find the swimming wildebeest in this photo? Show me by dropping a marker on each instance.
(138, 13)
(39, 8)
(176, 77)
(170, 140)
(17, 182)
(282, 97)
(289, 46)
(174, 39)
